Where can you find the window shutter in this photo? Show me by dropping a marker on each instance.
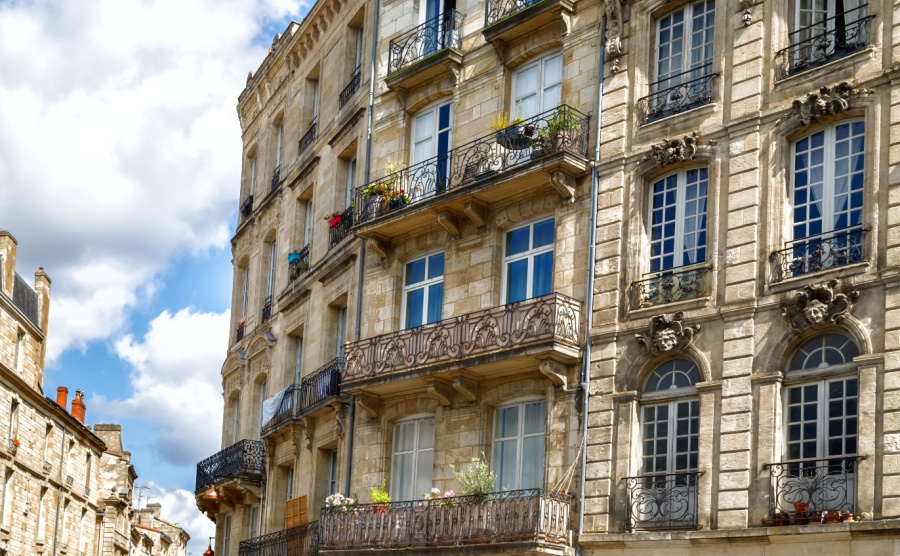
(295, 512)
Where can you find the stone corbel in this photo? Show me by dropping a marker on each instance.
(467, 387)
(564, 185)
(400, 93)
(368, 404)
(439, 391)
(454, 72)
(556, 372)
(449, 222)
(476, 212)
(297, 438)
(309, 430)
(668, 332)
(566, 23)
(378, 245)
(340, 418)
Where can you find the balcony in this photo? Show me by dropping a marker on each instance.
(351, 87)
(267, 309)
(817, 253)
(486, 341)
(308, 138)
(661, 502)
(824, 41)
(276, 177)
(426, 51)
(244, 460)
(298, 264)
(247, 206)
(668, 286)
(804, 490)
(508, 20)
(339, 227)
(677, 93)
(526, 519)
(489, 169)
(239, 333)
(296, 541)
(313, 392)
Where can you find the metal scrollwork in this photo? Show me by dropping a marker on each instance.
(245, 459)
(434, 35)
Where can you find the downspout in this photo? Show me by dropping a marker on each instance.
(62, 451)
(589, 289)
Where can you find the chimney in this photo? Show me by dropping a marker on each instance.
(111, 436)
(155, 509)
(78, 406)
(62, 396)
(8, 259)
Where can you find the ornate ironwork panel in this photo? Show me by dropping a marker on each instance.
(239, 333)
(498, 10)
(562, 128)
(351, 87)
(308, 138)
(803, 489)
(276, 176)
(678, 93)
(342, 230)
(443, 31)
(299, 265)
(677, 284)
(267, 309)
(296, 541)
(247, 206)
(553, 316)
(820, 252)
(661, 501)
(532, 515)
(825, 41)
(313, 391)
(245, 458)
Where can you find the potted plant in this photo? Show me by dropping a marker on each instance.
(396, 199)
(509, 132)
(562, 125)
(338, 504)
(334, 219)
(379, 194)
(476, 478)
(439, 498)
(801, 517)
(380, 498)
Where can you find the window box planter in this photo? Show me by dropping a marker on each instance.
(514, 138)
(334, 221)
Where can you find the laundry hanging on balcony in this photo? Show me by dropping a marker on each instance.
(270, 407)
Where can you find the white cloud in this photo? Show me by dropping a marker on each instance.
(175, 383)
(179, 507)
(119, 143)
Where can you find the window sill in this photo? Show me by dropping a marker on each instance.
(825, 71)
(845, 271)
(705, 109)
(672, 307)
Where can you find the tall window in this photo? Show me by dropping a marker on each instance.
(528, 261)
(315, 99)
(298, 360)
(332, 471)
(430, 139)
(64, 523)
(678, 220)
(308, 223)
(262, 398)
(20, 350)
(7, 498)
(518, 454)
(827, 194)
(245, 291)
(537, 87)
(270, 283)
(341, 332)
(235, 419)
(48, 432)
(826, 29)
(87, 471)
(289, 483)
(280, 146)
(42, 515)
(412, 459)
(254, 522)
(226, 536)
(13, 431)
(684, 54)
(350, 186)
(357, 56)
(423, 290)
(253, 162)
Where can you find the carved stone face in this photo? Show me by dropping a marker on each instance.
(816, 312)
(666, 340)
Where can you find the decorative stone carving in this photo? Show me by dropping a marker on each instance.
(555, 371)
(819, 305)
(564, 185)
(827, 102)
(476, 212)
(467, 387)
(340, 418)
(668, 333)
(747, 7)
(439, 391)
(368, 404)
(614, 24)
(670, 151)
(449, 222)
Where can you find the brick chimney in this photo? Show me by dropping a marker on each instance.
(78, 406)
(62, 396)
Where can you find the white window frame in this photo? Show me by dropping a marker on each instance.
(236, 419)
(226, 535)
(426, 284)
(19, 355)
(826, 25)
(254, 160)
(308, 223)
(417, 420)
(350, 187)
(7, 498)
(530, 254)
(433, 135)
(298, 360)
(688, 46)
(270, 282)
(822, 415)
(245, 291)
(520, 440)
(262, 398)
(332, 471)
(253, 526)
(680, 206)
(280, 147)
(42, 516)
(541, 92)
(13, 430)
(341, 331)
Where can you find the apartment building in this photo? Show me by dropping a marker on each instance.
(637, 256)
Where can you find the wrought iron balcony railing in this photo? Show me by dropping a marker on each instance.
(247, 206)
(267, 309)
(244, 459)
(678, 93)
(276, 176)
(239, 333)
(298, 264)
(562, 128)
(824, 41)
(336, 234)
(661, 501)
(313, 391)
(308, 138)
(819, 252)
(351, 87)
(550, 317)
(532, 515)
(667, 286)
(296, 541)
(431, 37)
(498, 10)
(803, 489)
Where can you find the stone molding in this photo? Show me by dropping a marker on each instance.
(828, 101)
(613, 50)
(668, 332)
(670, 151)
(819, 305)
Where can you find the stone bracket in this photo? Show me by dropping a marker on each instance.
(378, 245)
(476, 212)
(466, 386)
(439, 391)
(340, 418)
(369, 405)
(556, 372)
(449, 223)
(564, 185)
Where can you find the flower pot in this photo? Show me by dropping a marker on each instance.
(847, 517)
(513, 139)
(394, 204)
(380, 509)
(833, 516)
(334, 221)
(561, 140)
(373, 207)
(801, 506)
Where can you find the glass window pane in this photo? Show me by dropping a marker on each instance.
(424, 467)
(404, 437)
(543, 275)
(543, 233)
(517, 281)
(534, 417)
(415, 301)
(415, 272)
(504, 464)
(506, 422)
(436, 266)
(517, 241)
(532, 462)
(435, 302)
(426, 434)
(401, 477)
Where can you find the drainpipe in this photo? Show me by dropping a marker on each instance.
(589, 290)
(62, 451)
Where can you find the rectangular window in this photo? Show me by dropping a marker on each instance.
(359, 47)
(5, 519)
(236, 420)
(341, 331)
(518, 454)
(87, 471)
(332, 471)
(678, 220)
(64, 524)
(245, 291)
(280, 146)
(226, 536)
(825, 30)
(528, 261)
(20, 349)
(412, 459)
(537, 87)
(45, 451)
(270, 284)
(253, 162)
(308, 223)
(298, 361)
(351, 182)
(289, 484)
(13, 431)
(262, 398)
(431, 130)
(423, 290)
(254, 522)
(670, 436)
(821, 419)
(42, 515)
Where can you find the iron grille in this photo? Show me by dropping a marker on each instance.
(245, 459)
(662, 501)
(298, 264)
(308, 138)
(312, 392)
(824, 41)
(498, 10)
(803, 489)
(239, 334)
(337, 233)
(678, 93)
(267, 309)
(819, 252)
(276, 176)
(668, 286)
(351, 87)
(296, 541)
(247, 206)
(427, 39)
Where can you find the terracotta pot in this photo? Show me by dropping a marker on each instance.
(847, 517)
(801, 506)
(833, 516)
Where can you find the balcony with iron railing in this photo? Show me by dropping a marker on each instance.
(812, 490)
(247, 206)
(671, 285)
(313, 392)
(425, 51)
(267, 309)
(824, 41)
(276, 177)
(296, 541)
(522, 520)
(246, 460)
(507, 20)
(546, 326)
(298, 264)
(491, 168)
(351, 87)
(817, 253)
(339, 227)
(661, 501)
(308, 138)
(678, 93)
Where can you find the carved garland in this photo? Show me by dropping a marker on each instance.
(827, 102)
(670, 151)
(819, 305)
(667, 333)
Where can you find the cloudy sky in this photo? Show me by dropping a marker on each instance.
(119, 173)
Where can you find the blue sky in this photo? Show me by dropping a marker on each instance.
(120, 155)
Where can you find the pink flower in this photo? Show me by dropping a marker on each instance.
(436, 491)
(344, 509)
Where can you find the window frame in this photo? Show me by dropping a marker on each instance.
(540, 62)
(425, 284)
(520, 437)
(435, 135)
(688, 46)
(529, 254)
(681, 175)
(416, 419)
